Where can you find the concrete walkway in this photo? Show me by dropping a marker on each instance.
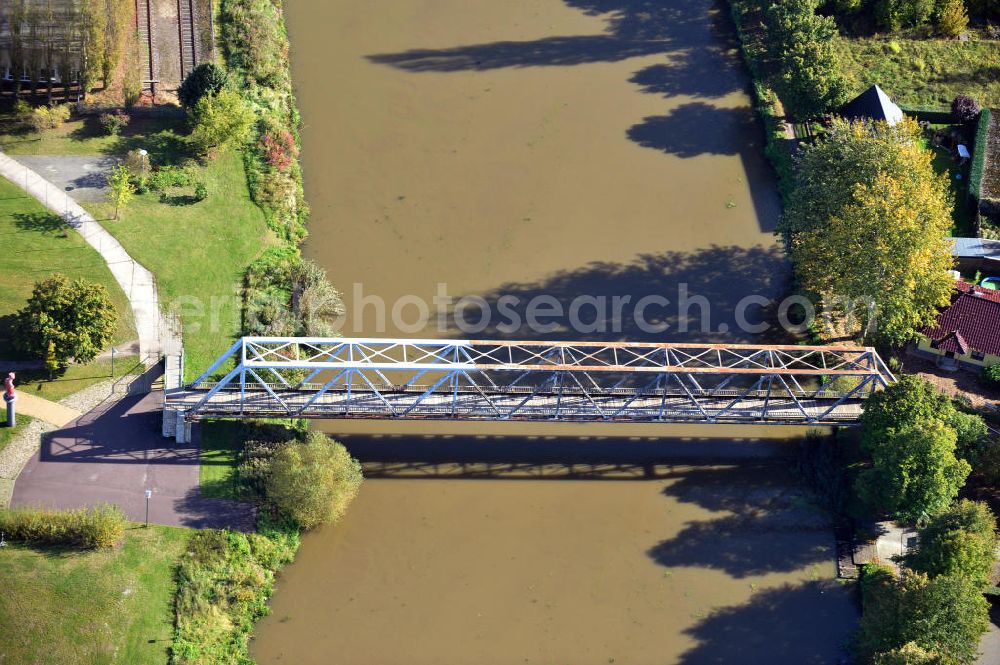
(137, 282)
(53, 413)
(113, 454)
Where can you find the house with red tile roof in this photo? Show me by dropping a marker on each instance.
(967, 332)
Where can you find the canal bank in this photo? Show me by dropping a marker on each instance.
(551, 149)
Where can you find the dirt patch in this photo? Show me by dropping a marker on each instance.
(960, 383)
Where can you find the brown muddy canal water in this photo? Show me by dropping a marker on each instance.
(551, 148)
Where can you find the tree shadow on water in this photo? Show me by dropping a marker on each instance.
(771, 527)
(634, 28)
(806, 624)
(720, 276)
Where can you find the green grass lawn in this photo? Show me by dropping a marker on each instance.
(76, 377)
(221, 442)
(69, 607)
(924, 72)
(34, 243)
(198, 253)
(84, 136)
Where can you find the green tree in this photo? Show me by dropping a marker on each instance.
(120, 187)
(206, 79)
(951, 18)
(945, 616)
(802, 45)
(313, 482)
(868, 224)
(220, 120)
(961, 541)
(912, 399)
(66, 320)
(914, 471)
(895, 15)
(971, 434)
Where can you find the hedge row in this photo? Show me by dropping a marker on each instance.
(979, 157)
(98, 527)
(766, 104)
(935, 116)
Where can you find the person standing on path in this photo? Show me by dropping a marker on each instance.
(9, 397)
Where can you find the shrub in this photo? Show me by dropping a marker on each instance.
(280, 149)
(990, 376)
(964, 109)
(49, 117)
(205, 79)
(314, 481)
(222, 119)
(165, 177)
(67, 319)
(22, 110)
(200, 190)
(961, 541)
(114, 123)
(908, 654)
(98, 527)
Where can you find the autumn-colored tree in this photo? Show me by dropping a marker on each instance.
(951, 19)
(868, 223)
(120, 187)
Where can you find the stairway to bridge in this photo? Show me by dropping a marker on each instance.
(538, 381)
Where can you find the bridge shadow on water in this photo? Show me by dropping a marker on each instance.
(757, 521)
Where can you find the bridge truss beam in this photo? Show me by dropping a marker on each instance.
(535, 380)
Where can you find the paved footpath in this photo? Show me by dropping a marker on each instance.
(113, 454)
(137, 282)
(53, 413)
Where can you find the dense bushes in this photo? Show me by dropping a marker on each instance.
(114, 123)
(285, 295)
(49, 117)
(224, 580)
(97, 527)
(256, 50)
(313, 481)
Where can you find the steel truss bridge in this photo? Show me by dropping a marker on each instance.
(411, 379)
